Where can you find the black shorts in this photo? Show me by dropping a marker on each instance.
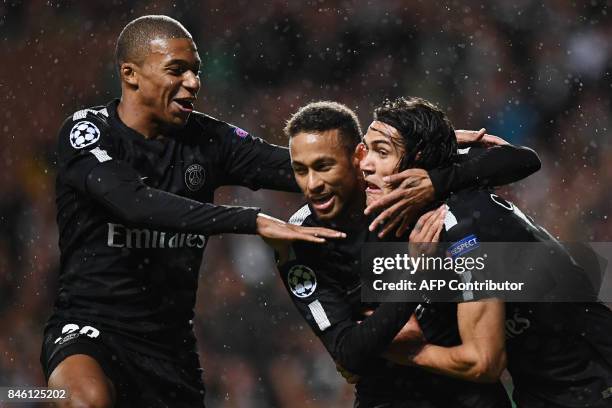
(140, 380)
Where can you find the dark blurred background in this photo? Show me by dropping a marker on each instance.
(535, 73)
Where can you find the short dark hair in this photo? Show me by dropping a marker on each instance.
(428, 136)
(323, 116)
(134, 41)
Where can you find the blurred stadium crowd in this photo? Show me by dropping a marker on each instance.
(535, 73)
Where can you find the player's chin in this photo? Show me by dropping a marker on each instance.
(179, 119)
(326, 216)
(330, 214)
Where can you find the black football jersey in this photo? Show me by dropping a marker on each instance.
(323, 282)
(559, 353)
(134, 217)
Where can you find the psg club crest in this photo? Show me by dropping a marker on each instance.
(84, 134)
(194, 177)
(302, 281)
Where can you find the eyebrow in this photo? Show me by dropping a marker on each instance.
(379, 143)
(183, 62)
(319, 159)
(375, 142)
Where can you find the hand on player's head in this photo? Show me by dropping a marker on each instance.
(407, 133)
(410, 191)
(383, 155)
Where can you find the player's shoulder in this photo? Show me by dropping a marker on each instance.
(214, 127)
(475, 211)
(97, 115)
(84, 127)
(303, 216)
(479, 203)
(204, 120)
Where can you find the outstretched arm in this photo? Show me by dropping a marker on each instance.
(97, 172)
(413, 189)
(485, 167)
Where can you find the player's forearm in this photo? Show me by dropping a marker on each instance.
(360, 343)
(117, 189)
(402, 353)
(407, 342)
(495, 166)
(464, 362)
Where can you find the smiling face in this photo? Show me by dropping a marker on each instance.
(327, 172)
(384, 147)
(167, 81)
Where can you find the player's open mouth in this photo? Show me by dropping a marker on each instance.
(372, 188)
(323, 203)
(185, 104)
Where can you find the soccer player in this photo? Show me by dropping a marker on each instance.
(559, 354)
(323, 282)
(135, 183)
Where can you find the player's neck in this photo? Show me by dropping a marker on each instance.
(137, 118)
(352, 217)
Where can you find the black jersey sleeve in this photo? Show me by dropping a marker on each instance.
(485, 167)
(84, 141)
(462, 237)
(473, 219)
(327, 310)
(118, 187)
(254, 163)
(89, 161)
(517, 250)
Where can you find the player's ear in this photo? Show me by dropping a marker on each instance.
(359, 154)
(128, 73)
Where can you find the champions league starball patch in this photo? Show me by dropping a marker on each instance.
(302, 281)
(194, 177)
(84, 134)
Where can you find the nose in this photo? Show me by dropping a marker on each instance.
(315, 182)
(367, 164)
(191, 82)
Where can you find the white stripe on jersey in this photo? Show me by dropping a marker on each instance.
(300, 215)
(450, 220)
(316, 308)
(100, 154)
(82, 114)
(463, 151)
(466, 277)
